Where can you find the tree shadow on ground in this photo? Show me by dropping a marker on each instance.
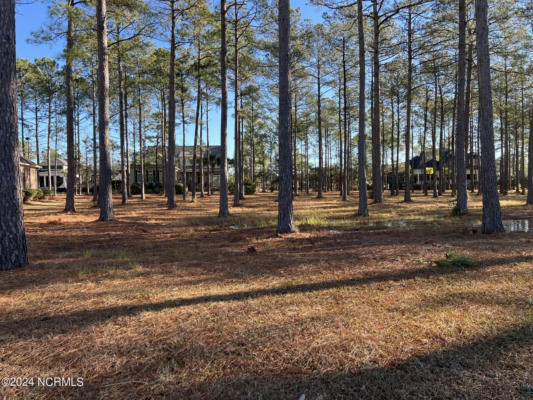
(36, 327)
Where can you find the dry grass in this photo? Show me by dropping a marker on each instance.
(172, 304)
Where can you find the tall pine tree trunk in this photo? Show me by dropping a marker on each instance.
(123, 182)
(196, 126)
(223, 205)
(285, 213)
(126, 133)
(345, 174)
(49, 162)
(95, 147)
(171, 161)
(522, 145)
(407, 197)
(106, 199)
(208, 158)
(442, 178)
(361, 162)
(530, 161)
(183, 161)
(426, 109)
(434, 139)
(202, 183)
(462, 197)
(376, 135)
(492, 219)
(320, 150)
(141, 147)
(468, 105)
(36, 113)
(69, 86)
(392, 144)
(13, 251)
(237, 138)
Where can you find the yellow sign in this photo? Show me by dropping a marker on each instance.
(429, 170)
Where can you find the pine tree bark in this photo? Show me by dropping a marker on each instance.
(202, 183)
(196, 126)
(36, 114)
(462, 197)
(141, 146)
(164, 168)
(468, 105)
(320, 149)
(522, 144)
(126, 133)
(434, 138)
(341, 143)
(106, 199)
(426, 109)
(345, 174)
(530, 161)
(361, 162)
(492, 219)
(237, 136)
(208, 158)
(69, 86)
(376, 135)
(13, 251)
(183, 125)
(171, 160)
(442, 178)
(397, 177)
(407, 197)
(223, 205)
(285, 213)
(121, 121)
(392, 145)
(95, 155)
(49, 135)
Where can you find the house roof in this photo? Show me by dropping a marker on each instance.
(416, 162)
(60, 161)
(213, 150)
(29, 163)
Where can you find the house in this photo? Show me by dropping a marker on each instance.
(28, 174)
(59, 175)
(154, 171)
(419, 168)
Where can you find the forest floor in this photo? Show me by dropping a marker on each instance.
(184, 305)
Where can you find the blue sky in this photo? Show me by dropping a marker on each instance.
(30, 17)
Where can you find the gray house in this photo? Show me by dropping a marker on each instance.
(154, 171)
(59, 174)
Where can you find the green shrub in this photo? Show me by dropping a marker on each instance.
(179, 188)
(453, 259)
(27, 195)
(249, 186)
(34, 194)
(47, 193)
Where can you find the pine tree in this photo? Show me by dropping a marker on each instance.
(13, 251)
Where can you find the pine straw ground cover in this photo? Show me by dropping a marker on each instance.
(183, 305)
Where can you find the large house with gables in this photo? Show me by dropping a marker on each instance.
(154, 171)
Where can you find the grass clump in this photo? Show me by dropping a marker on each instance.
(454, 259)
